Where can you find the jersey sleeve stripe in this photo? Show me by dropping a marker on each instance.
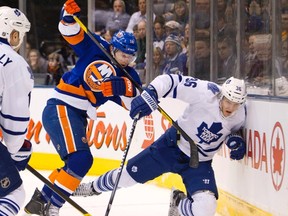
(14, 133)
(79, 91)
(14, 118)
(75, 39)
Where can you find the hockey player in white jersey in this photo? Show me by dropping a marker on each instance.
(16, 83)
(214, 115)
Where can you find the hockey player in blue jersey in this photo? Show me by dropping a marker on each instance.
(93, 81)
(16, 84)
(214, 115)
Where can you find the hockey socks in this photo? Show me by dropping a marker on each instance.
(105, 182)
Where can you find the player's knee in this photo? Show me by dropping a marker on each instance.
(126, 180)
(80, 162)
(204, 203)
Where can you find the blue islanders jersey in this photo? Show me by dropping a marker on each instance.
(80, 87)
(202, 119)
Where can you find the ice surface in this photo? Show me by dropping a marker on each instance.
(138, 200)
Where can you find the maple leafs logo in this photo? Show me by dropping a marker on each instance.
(208, 135)
(213, 87)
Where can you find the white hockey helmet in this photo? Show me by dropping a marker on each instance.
(13, 19)
(234, 90)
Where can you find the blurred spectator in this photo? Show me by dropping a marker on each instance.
(221, 6)
(173, 27)
(159, 32)
(202, 59)
(284, 19)
(227, 59)
(119, 18)
(27, 50)
(138, 16)
(284, 54)
(67, 57)
(101, 13)
(109, 34)
(135, 31)
(38, 66)
(185, 40)
(261, 71)
(175, 60)
(180, 13)
(282, 83)
(54, 70)
(266, 17)
(254, 22)
(158, 62)
(250, 56)
(141, 43)
(202, 18)
(260, 74)
(230, 13)
(225, 29)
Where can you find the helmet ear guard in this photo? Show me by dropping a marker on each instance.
(234, 90)
(13, 19)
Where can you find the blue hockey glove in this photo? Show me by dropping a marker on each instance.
(69, 9)
(22, 157)
(145, 103)
(114, 86)
(237, 145)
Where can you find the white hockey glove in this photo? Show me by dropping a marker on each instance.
(237, 145)
(22, 157)
(145, 103)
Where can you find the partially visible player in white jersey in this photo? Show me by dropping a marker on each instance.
(214, 115)
(16, 83)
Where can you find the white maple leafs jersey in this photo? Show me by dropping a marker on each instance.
(16, 83)
(202, 119)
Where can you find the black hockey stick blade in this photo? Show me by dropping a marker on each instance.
(194, 157)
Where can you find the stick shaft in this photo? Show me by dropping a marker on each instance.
(121, 167)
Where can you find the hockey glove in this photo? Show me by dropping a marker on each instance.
(145, 103)
(22, 157)
(237, 145)
(115, 86)
(69, 9)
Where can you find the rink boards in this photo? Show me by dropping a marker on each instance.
(257, 185)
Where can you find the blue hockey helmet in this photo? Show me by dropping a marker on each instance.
(125, 41)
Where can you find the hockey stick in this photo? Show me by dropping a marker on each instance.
(60, 193)
(194, 158)
(121, 166)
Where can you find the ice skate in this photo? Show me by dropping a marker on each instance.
(85, 189)
(36, 204)
(175, 198)
(51, 210)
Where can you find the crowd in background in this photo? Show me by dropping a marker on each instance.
(171, 36)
